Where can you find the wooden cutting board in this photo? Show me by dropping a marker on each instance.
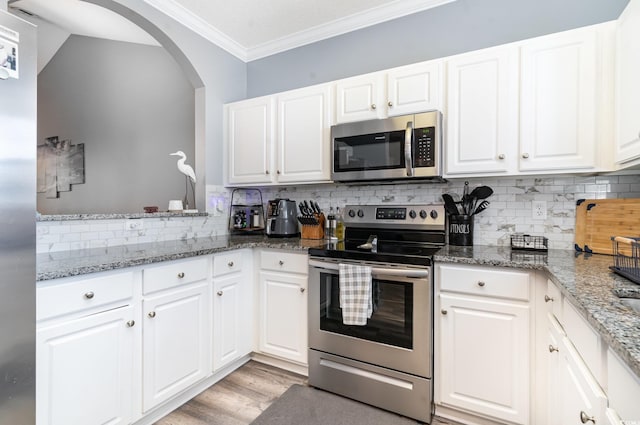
(599, 219)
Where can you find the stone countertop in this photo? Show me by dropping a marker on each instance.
(55, 265)
(584, 279)
(586, 282)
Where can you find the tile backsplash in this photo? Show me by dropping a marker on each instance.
(510, 210)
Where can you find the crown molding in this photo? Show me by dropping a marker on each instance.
(321, 32)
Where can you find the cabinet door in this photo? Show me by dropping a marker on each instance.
(582, 397)
(359, 98)
(551, 352)
(481, 117)
(249, 137)
(283, 321)
(303, 135)
(558, 102)
(176, 341)
(232, 302)
(85, 370)
(414, 88)
(484, 356)
(628, 88)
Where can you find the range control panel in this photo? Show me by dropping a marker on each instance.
(401, 216)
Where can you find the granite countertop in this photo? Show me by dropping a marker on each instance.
(584, 279)
(586, 282)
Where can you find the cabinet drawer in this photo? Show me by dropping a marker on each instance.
(481, 281)
(72, 295)
(584, 338)
(175, 273)
(553, 300)
(226, 263)
(284, 262)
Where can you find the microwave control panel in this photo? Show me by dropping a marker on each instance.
(425, 140)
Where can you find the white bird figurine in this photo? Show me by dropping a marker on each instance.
(190, 177)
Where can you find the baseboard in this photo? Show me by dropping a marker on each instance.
(281, 363)
(463, 417)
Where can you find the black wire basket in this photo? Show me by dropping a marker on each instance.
(529, 243)
(626, 257)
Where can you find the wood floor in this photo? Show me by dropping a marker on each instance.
(239, 398)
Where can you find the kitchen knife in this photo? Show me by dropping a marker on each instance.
(317, 207)
(308, 208)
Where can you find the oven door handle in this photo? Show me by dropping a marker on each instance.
(420, 273)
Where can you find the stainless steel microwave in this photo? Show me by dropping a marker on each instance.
(403, 147)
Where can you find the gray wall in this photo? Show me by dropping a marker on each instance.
(457, 27)
(131, 105)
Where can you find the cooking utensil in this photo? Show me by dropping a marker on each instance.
(449, 204)
(479, 193)
(465, 199)
(481, 207)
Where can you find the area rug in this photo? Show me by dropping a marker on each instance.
(301, 405)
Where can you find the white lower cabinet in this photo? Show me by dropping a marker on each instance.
(232, 307)
(176, 331)
(482, 342)
(84, 372)
(283, 305)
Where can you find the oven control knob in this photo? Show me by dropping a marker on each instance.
(412, 214)
(433, 214)
(352, 213)
(360, 213)
(423, 214)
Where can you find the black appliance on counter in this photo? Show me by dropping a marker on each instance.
(388, 362)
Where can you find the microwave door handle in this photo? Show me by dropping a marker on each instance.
(408, 136)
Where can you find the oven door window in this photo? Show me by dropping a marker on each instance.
(391, 321)
(382, 151)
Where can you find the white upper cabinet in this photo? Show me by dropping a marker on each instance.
(249, 136)
(559, 92)
(481, 112)
(283, 138)
(303, 135)
(403, 90)
(628, 88)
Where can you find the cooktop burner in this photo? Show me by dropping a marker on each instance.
(405, 234)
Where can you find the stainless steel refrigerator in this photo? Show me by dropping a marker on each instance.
(17, 220)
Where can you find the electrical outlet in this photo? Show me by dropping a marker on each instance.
(134, 224)
(539, 210)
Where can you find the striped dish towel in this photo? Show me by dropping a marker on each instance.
(355, 294)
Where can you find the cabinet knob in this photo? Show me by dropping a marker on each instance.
(266, 171)
(89, 295)
(181, 275)
(584, 418)
(501, 156)
(525, 155)
(443, 311)
(480, 283)
(230, 264)
(281, 262)
(552, 348)
(547, 298)
(278, 172)
(130, 323)
(302, 289)
(390, 104)
(152, 314)
(373, 106)
(219, 293)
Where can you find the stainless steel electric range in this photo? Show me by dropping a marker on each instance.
(388, 362)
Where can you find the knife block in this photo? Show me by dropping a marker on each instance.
(313, 231)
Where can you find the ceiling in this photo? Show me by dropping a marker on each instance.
(248, 29)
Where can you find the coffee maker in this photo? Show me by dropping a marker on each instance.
(282, 219)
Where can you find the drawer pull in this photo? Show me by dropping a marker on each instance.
(152, 314)
(373, 106)
(390, 104)
(130, 323)
(584, 418)
(443, 311)
(481, 283)
(219, 293)
(547, 298)
(230, 264)
(525, 155)
(281, 262)
(181, 275)
(89, 295)
(552, 348)
(501, 156)
(301, 289)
